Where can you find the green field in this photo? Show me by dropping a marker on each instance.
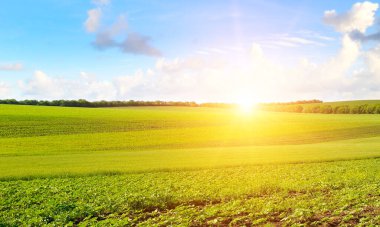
(187, 166)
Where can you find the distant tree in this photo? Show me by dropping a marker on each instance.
(316, 109)
(354, 110)
(371, 109)
(326, 109)
(298, 109)
(342, 109)
(362, 109)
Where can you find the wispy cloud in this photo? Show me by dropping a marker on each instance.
(226, 50)
(92, 22)
(202, 52)
(216, 50)
(299, 40)
(282, 43)
(287, 40)
(309, 34)
(11, 67)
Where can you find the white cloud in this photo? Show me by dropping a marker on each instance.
(214, 79)
(218, 79)
(11, 67)
(94, 15)
(133, 43)
(42, 86)
(193, 78)
(351, 72)
(136, 43)
(263, 80)
(92, 22)
(359, 18)
(106, 38)
(5, 90)
(126, 84)
(272, 81)
(191, 63)
(346, 58)
(373, 58)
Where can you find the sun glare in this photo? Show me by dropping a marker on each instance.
(246, 106)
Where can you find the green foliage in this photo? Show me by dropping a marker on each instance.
(326, 109)
(332, 193)
(85, 103)
(348, 107)
(342, 109)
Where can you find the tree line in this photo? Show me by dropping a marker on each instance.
(325, 108)
(303, 106)
(85, 103)
(294, 102)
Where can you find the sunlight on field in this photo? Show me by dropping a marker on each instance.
(133, 136)
(149, 164)
(246, 107)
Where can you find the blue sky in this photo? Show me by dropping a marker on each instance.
(184, 50)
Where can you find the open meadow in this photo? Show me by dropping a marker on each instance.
(189, 113)
(188, 166)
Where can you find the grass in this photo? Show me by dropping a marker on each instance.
(186, 166)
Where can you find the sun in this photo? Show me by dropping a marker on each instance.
(246, 106)
(246, 101)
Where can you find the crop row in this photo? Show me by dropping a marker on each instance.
(319, 193)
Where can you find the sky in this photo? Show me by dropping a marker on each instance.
(201, 50)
